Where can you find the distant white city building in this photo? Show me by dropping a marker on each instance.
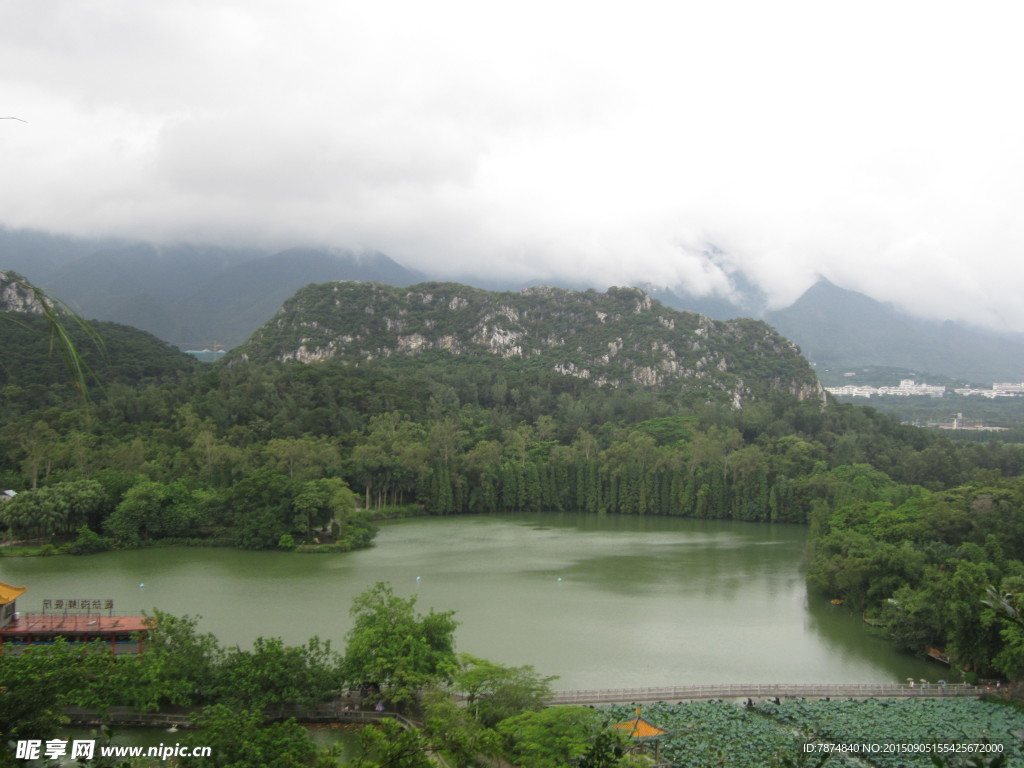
(906, 388)
(1002, 389)
(852, 391)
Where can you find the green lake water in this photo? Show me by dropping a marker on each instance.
(600, 601)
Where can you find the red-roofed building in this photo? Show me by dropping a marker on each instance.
(75, 620)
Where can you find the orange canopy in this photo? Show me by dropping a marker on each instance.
(9, 594)
(640, 729)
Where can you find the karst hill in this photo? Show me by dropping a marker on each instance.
(616, 338)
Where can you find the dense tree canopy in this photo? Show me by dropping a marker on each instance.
(495, 692)
(562, 736)
(395, 649)
(923, 565)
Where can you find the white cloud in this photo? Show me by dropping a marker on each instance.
(876, 145)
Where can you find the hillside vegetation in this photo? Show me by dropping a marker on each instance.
(613, 338)
(33, 372)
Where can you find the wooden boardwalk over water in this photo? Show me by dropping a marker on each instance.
(760, 691)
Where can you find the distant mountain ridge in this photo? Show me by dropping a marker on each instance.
(842, 329)
(614, 338)
(185, 294)
(197, 295)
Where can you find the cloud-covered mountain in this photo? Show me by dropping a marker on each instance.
(842, 330)
(185, 294)
(837, 328)
(200, 294)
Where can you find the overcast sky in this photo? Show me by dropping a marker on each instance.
(878, 144)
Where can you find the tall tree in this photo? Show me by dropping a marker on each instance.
(392, 646)
(495, 692)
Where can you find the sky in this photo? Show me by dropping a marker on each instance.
(877, 144)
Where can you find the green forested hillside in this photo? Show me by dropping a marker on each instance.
(614, 338)
(33, 371)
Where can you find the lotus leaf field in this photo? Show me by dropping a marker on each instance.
(730, 735)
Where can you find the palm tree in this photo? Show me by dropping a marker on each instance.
(1004, 604)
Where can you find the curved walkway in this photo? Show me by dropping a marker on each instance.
(758, 691)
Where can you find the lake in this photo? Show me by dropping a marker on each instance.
(600, 601)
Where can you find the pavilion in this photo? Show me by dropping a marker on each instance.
(643, 733)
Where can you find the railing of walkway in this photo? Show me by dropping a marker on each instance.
(759, 691)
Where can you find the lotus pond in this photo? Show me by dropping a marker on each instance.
(730, 735)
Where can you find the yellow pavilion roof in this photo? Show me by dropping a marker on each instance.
(638, 728)
(9, 594)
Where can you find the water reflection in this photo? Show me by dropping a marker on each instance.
(854, 640)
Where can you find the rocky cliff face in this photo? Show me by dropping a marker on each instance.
(17, 295)
(613, 339)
